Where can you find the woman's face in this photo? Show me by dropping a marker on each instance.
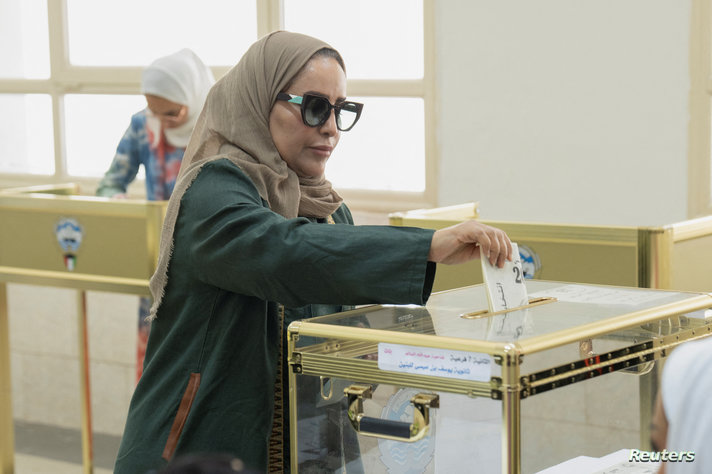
(169, 113)
(307, 149)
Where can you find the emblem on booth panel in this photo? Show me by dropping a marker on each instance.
(69, 236)
(398, 456)
(531, 265)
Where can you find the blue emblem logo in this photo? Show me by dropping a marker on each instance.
(69, 236)
(531, 265)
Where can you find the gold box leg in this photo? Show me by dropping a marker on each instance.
(649, 386)
(7, 430)
(511, 438)
(84, 385)
(511, 415)
(293, 417)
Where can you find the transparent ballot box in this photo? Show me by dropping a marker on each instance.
(450, 387)
(669, 255)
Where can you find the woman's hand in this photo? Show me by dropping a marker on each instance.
(469, 240)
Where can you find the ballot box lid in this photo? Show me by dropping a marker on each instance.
(568, 329)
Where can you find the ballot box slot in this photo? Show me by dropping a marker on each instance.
(483, 313)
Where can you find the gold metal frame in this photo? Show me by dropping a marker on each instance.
(699, 165)
(7, 432)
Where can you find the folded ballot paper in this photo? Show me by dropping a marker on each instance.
(505, 286)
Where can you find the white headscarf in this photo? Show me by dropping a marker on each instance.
(182, 78)
(686, 392)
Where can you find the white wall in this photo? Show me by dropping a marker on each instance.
(564, 111)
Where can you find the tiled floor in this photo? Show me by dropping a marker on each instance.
(43, 449)
(36, 465)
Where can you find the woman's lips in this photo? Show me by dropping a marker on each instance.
(324, 151)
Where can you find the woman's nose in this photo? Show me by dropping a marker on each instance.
(329, 127)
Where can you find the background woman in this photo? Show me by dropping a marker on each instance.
(175, 87)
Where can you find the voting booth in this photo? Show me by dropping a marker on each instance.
(51, 236)
(452, 386)
(671, 256)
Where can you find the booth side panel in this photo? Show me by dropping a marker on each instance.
(691, 262)
(109, 245)
(551, 252)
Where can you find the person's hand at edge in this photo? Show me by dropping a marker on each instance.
(469, 240)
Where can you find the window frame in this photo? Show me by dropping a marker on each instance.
(700, 132)
(67, 79)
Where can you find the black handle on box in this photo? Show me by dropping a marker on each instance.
(377, 426)
(390, 429)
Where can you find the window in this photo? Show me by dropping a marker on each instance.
(386, 45)
(91, 145)
(388, 70)
(73, 82)
(97, 31)
(26, 134)
(392, 128)
(23, 24)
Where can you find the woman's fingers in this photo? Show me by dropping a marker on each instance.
(494, 243)
(471, 239)
(483, 241)
(506, 249)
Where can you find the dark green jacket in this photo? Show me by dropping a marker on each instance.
(210, 367)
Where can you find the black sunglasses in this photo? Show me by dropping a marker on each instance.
(316, 110)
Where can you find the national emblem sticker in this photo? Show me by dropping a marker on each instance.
(69, 236)
(531, 265)
(399, 456)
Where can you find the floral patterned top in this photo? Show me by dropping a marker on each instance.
(161, 162)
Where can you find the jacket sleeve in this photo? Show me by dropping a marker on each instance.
(124, 166)
(237, 243)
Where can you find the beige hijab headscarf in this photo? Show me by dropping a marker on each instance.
(234, 124)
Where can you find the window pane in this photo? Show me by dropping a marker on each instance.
(23, 25)
(385, 150)
(377, 39)
(94, 126)
(135, 32)
(26, 135)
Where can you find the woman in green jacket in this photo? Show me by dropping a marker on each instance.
(255, 237)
